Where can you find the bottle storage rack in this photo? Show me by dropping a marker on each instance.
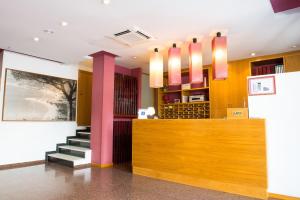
(193, 110)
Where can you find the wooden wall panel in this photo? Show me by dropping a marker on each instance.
(231, 92)
(226, 155)
(292, 63)
(84, 98)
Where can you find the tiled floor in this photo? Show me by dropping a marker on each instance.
(51, 181)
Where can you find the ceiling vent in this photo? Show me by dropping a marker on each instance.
(131, 37)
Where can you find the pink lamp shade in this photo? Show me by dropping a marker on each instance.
(195, 62)
(156, 69)
(219, 57)
(174, 66)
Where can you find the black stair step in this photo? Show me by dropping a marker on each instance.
(74, 141)
(73, 150)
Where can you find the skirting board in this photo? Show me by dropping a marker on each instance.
(102, 165)
(255, 192)
(82, 166)
(23, 164)
(283, 197)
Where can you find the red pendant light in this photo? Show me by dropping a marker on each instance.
(195, 59)
(219, 57)
(156, 69)
(174, 66)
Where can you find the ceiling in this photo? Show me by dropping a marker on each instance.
(251, 26)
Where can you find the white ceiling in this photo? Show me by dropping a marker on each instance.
(251, 26)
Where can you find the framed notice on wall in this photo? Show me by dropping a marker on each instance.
(262, 86)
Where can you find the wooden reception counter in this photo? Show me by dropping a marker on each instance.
(219, 154)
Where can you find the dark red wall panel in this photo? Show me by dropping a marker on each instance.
(283, 5)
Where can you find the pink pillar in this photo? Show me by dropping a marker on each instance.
(102, 108)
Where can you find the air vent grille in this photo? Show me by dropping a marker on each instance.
(131, 37)
(122, 33)
(142, 34)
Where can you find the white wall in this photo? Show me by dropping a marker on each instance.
(282, 114)
(147, 92)
(1, 58)
(28, 141)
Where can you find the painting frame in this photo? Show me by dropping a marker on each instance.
(263, 81)
(74, 118)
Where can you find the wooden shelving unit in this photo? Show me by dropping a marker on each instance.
(194, 89)
(169, 109)
(172, 91)
(269, 66)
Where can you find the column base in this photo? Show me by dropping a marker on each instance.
(102, 165)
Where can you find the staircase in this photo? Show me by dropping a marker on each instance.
(76, 152)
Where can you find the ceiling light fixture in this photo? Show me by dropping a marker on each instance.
(219, 57)
(253, 54)
(156, 69)
(174, 65)
(195, 62)
(64, 23)
(36, 39)
(134, 57)
(294, 46)
(106, 2)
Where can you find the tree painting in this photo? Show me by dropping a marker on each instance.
(30, 96)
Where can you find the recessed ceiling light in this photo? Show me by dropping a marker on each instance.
(106, 2)
(36, 39)
(64, 23)
(253, 54)
(134, 57)
(294, 46)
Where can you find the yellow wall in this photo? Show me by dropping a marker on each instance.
(84, 98)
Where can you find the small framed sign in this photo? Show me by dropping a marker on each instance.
(261, 85)
(142, 114)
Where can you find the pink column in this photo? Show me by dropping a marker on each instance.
(102, 109)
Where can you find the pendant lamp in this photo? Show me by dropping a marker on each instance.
(174, 66)
(195, 62)
(219, 57)
(156, 69)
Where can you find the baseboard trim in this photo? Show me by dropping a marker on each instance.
(283, 197)
(244, 190)
(23, 164)
(101, 165)
(82, 166)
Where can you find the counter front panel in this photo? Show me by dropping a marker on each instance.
(225, 155)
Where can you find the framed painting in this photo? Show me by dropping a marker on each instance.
(36, 97)
(261, 85)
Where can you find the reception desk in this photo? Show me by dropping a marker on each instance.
(221, 154)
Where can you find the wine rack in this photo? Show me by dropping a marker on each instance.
(193, 110)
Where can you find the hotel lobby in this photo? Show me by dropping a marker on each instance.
(142, 100)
